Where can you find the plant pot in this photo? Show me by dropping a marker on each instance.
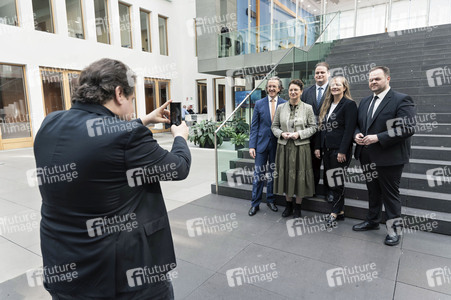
(226, 139)
(238, 147)
(209, 144)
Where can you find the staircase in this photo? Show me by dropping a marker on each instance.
(409, 55)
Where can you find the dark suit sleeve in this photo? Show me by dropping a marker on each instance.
(317, 138)
(350, 124)
(254, 127)
(405, 111)
(304, 96)
(360, 114)
(275, 126)
(142, 151)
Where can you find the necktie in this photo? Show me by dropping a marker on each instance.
(369, 115)
(273, 108)
(320, 95)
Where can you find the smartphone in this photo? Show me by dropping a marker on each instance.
(176, 114)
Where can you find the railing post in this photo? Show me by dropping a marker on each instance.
(216, 165)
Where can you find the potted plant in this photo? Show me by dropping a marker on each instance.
(228, 132)
(239, 140)
(203, 134)
(240, 126)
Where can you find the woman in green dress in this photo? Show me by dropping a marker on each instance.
(293, 125)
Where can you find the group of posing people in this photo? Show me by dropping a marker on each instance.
(289, 139)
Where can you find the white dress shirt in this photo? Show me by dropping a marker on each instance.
(331, 110)
(324, 86)
(379, 100)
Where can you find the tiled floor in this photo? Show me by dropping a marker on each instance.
(299, 266)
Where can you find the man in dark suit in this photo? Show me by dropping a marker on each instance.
(314, 95)
(109, 222)
(263, 145)
(385, 124)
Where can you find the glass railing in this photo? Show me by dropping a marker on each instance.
(234, 166)
(284, 35)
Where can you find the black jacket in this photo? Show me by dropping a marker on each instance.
(392, 149)
(109, 155)
(309, 96)
(338, 131)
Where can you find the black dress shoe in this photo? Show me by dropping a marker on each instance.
(253, 210)
(288, 211)
(392, 240)
(272, 206)
(297, 214)
(297, 211)
(364, 226)
(340, 217)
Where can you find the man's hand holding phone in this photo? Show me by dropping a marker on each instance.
(159, 115)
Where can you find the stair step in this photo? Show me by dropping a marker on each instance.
(353, 208)
(431, 139)
(412, 181)
(416, 166)
(433, 153)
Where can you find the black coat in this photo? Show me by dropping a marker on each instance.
(391, 149)
(338, 131)
(309, 96)
(109, 155)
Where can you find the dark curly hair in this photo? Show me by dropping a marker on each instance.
(98, 81)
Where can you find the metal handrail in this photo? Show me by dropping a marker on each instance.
(246, 98)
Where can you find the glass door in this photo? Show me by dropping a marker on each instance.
(57, 88)
(156, 93)
(15, 121)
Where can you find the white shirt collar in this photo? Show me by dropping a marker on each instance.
(382, 94)
(323, 86)
(275, 98)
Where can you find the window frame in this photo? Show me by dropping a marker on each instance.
(166, 33)
(107, 17)
(52, 18)
(23, 141)
(65, 85)
(149, 29)
(82, 21)
(129, 6)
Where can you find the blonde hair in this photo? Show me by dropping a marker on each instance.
(330, 98)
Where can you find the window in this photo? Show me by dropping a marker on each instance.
(408, 14)
(102, 23)
(42, 12)
(164, 91)
(156, 92)
(8, 13)
(219, 96)
(440, 12)
(74, 19)
(57, 86)
(145, 31)
(126, 29)
(149, 93)
(202, 96)
(163, 30)
(371, 17)
(14, 118)
(52, 86)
